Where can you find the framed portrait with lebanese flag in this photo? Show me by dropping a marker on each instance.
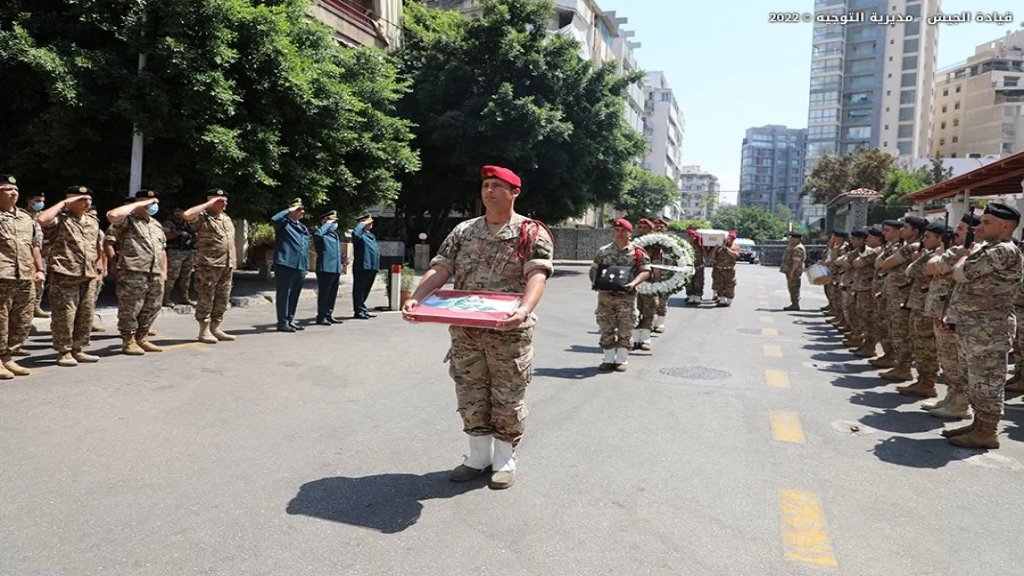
(466, 308)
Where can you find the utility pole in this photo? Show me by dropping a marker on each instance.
(135, 179)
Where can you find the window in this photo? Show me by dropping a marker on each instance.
(956, 105)
(908, 96)
(861, 66)
(825, 83)
(944, 109)
(956, 122)
(906, 114)
(910, 62)
(912, 28)
(666, 96)
(945, 92)
(905, 131)
(1010, 82)
(822, 116)
(904, 148)
(942, 126)
(859, 114)
(909, 79)
(825, 98)
(956, 139)
(858, 133)
(942, 141)
(821, 132)
(859, 82)
(858, 97)
(957, 88)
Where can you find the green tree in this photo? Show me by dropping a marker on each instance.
(835, 175)
(900, 182)
(938, 172)
(647, 194)
(681, 226)
(754, 222)
(501, 90)
(251, 96)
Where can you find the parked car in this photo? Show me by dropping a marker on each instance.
(748, 250)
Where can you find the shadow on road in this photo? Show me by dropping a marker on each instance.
(823, 347)
(257, 329)
(567, 373)
(856, 382)
(584, 349)
(918, 453)
(901, 422)
(387, 503)
(880, 399)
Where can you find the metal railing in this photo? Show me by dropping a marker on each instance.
(354, 13)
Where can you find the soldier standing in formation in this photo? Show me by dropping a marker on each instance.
(661, 226)
(365, 265)
(499, 252)
(897, 292)
(76, 263)
(291, 260)
(21, 268)
(34, 204)
(328, 267)
(835, 248)
(723, 275)
(646, 304)
(862, 270)
(617, 311)
(922, 334)
(695, 288)
(216, 260)
(793, 266)
(141, 270)
(181, 257)
(891, 235)
(867, 287)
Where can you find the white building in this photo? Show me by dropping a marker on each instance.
(663, 128)
(361, 22)
(698, 193)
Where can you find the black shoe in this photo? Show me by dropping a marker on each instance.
(285, 328)
(296, 326)
(361, 317)
(334, 320)
(792, 308)
(323, 322)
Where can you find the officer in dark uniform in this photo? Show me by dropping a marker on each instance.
(291, 261)
(365, 264)
(328, 267)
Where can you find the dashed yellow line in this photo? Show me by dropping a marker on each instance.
(786, 427)
(767, 319)
(769, 332)
(776, 378)
(804, 536)
(772, 351)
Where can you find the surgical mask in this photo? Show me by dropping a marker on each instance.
(152, 209)
(38, 206)
(333, 227)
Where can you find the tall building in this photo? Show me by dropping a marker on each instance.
(361, 22)
(979, 104)
(871, 84)
(772, 168)
(663, 128)
(698, 193)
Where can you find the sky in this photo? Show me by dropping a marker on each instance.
(731, 69)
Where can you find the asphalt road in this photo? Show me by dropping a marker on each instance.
(748, 442)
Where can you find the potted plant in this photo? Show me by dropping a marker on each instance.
(261, 247)
(408, 279)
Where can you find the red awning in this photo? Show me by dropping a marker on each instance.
(998, 178)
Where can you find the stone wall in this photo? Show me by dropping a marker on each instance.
(579, 243)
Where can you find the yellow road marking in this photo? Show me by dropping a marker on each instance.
(769, 332)
(767, 319)
(804, 537)
(772, 351)
(786, 427)
(776, 378)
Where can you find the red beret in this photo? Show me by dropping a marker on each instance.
(623, 223)
(500, 173)
(646, 222)
(661, 221)
(732, 234)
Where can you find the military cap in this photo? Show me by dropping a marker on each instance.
(1002, 211)
(365, 216)
(875, 231)
(332, 215)
(860, 233)
(8, 180)
(661, 221)
(622, 223)
(145, 194)
(893, 223)
(937, 228)
(646, 222)
(216, 193)
(295, 203)
(795, 234)
(971, 219)
(916, 222)
(840, 234)
(503, 174)
(78, 191)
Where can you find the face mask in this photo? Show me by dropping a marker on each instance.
(152, 209)
(38, 206)
(333, 227)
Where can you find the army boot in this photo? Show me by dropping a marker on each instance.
(659, 324)
(66, 359)
(129, 346)
(886, 360)
(897, 374)
(867, 350)
(81, 356)
(205, 336)
(923, 388)
(794, 307)
(14, 368)
(481, 454)
(621, 359)
(504, 475)
(40, 313)
(1015, 384)
(5, 374)
(145, 344)
(220, 334)
(956, 408)
(983, 435)
(953, 432)
(644, 339)
(609, 361)
(933, 404)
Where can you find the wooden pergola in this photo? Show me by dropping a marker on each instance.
(1000, 178)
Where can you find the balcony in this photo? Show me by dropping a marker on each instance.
(353, 22)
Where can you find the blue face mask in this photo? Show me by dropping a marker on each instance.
(333, 227)
(152, 209)
(38, 206)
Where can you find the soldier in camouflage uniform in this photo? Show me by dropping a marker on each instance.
(661, 226)
(987, 276)
(897, 291)
(499, 252)
(924, 347)
(695, 287)
(863, 270)
(793, 266)
(891, 236)
(646, 304)
(723, 274)
(844, 281)
(181, 257)
(837, 247)
(76, 260)
(1016, 382)
(141, 270)
(215, 264)
(21, 266)
(616, 311)
(34, 204)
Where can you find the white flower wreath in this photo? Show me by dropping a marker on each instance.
(680, 252)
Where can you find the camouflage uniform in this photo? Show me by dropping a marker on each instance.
(845, 284)
(19, 235)
(793, 255)
(935, 307)
(75, 243)
(881, 304)
(140, 283)
(897, 290)
(215, 264)
(863, 269)
(492, 368)
(695, 287)
(832, 291)
(922, 330)
(651, 305)
(1018, 335)
(723, 275)
(181, 259)
(41, 284)
(986, 284)
(616, 311)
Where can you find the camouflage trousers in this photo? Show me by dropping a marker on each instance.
(723, 282)
(793, 285)
(850, 310)
(1018, 341)
(945, 346)
(139, 297)
(616, 318)
(865, 311)
(837, 304)
(982, 342)
(492, 369)
(180, 265)
(830, 295)
(695, 287)
(925, 348)
(662, 308)
(72, 301)
(213, 283)
(881, 323)
(899, 329)
(17, 304)
(646, 305)
(40, 288)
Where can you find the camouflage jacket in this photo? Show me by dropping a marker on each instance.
(74, 244)
(612, 255)
(140, 244)
(941, 285)
(920, 284)
(863, 269)
(897, 285)
(986, 281)
(215, 240)
(19, 234)
(724, 259)
(792, 255)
